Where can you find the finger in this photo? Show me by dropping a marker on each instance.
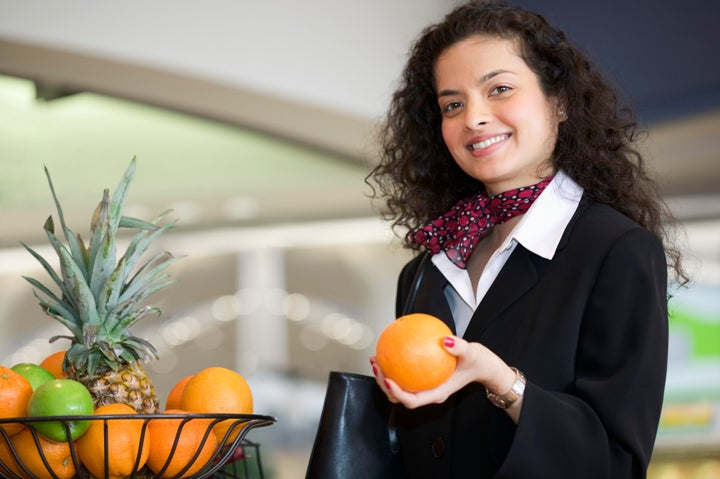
(374, 366)
(392, 390)
(381, 381)
(454, 345)
(408, 399)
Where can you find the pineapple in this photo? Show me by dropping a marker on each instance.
(101, 298)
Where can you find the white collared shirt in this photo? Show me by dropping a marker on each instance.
(539, 230)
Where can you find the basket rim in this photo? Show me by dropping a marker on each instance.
(160, 415)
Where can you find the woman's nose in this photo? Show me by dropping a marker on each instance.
(477, 114)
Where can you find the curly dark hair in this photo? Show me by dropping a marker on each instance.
(417, 176)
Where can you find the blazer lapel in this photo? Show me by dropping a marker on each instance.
(518, 275)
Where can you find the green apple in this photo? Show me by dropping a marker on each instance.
(61, 397)
(34, 373)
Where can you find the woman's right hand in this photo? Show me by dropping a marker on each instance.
(476, 363)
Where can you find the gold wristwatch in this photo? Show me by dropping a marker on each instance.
(504, 401)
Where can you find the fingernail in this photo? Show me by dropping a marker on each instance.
(449, 342)
(387, 384)
(374, 370)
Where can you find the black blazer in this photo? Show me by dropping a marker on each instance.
(589, 330)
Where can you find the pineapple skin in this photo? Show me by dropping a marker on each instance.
(129, 385)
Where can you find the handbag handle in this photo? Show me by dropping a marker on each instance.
(410, 300)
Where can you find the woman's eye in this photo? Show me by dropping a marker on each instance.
(499, 90)
(451, 106)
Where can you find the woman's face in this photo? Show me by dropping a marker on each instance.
(497, 123)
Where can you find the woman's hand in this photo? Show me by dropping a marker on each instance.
(476, 363)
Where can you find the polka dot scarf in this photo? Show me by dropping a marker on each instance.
(460, 229)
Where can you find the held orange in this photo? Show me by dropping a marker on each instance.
(410, 352)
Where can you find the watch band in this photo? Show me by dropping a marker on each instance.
(504, 401)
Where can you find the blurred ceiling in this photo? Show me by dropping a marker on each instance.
(266, 111)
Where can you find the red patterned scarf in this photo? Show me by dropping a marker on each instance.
(460, 229)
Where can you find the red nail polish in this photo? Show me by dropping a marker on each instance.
(387, 384)
(449, 342)
(374, 370)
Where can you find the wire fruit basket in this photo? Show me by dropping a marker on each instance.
(235, 457)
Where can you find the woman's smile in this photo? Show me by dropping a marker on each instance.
(482, 145)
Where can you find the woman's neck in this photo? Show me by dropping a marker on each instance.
(485, 248)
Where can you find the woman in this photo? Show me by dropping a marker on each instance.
(508, 160)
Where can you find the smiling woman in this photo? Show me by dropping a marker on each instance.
(209, 172)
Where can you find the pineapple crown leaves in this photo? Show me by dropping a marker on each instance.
(109, 354)
(100, 298)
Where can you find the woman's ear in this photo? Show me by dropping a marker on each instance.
(560, 110)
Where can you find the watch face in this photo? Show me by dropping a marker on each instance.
(499, 402)
(504, 401)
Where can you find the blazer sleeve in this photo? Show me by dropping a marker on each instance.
(606, 426)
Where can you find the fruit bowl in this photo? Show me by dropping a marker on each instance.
(229, 460)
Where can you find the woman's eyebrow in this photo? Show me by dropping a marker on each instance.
(486, 77)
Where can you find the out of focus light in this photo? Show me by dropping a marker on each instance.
(296, 307)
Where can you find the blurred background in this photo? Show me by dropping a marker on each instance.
(255, 123)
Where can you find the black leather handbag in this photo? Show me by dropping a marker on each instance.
(353, 440)
(356, 435)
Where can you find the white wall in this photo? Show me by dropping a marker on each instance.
(338, 54)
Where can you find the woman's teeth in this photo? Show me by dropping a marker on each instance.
(488, 142)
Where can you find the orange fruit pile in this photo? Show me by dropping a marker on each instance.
(410, 352)
(170, 447)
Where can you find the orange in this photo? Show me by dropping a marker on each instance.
(175, 394)
(410, 352)
(218, 390)
(57, 454)
(15, 392)
(123, 443)
(54, 363)
(191, 442)
(7, 460)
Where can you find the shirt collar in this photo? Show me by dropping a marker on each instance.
(543, 225)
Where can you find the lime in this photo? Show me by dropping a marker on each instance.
(34, 373)
(61, 397)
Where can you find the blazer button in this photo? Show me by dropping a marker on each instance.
(438, 447)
